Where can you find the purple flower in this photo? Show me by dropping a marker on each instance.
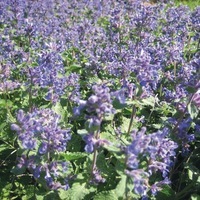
(22, 161)
(97, 177)
(41, 127)
(90, 142)
(98, 106)
(43, 148)
(196, 99)
(132, 161)
(100, 103)
(39, 130)
(37, 172)
(158, 185)
(156, 150)
(77, 110)
(93, 124)
(140, 180)
(15, 127)
(140, 142)
(29, 144)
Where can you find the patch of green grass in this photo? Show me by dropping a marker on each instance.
(191, 3)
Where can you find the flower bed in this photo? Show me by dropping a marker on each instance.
(99, 99)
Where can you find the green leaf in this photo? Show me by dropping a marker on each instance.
(112, 148)
(29, 192)
(103, 21)
(59, 110)
(191, 89)
(72, 155)
(3, 125)
(150, 101)
(75, 68)
(78, 191)
(108, 117)
(93, 79)
(5, 191)
(4, 147)
(125, 125)
(166, 193)
(193, 173)
(10, 118)
(64, 194)
(46, 195)
(102, 165)
(82, 132)
(2, 102)
(18, 171)
(195, 197)
(111, 137)
(75, 144)
(51, 195)
(106, 195)
(193, 110)
(39, 197)
(121, 187)
(157, 126)
(120, 165)
(117, 104)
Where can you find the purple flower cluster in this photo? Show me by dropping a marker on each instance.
(39, 130)
(50, 75)
(100, 103)
(41, 20)
(182, 130)
(144, 49)
(98, 106)
(156, 151)
(92, 141)
(97, 177)
(122, 38)
(34, 36)
(7, 82)
(196, 99)
(40, 135)
(52, 172)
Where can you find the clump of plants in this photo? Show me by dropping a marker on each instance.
(99, 99)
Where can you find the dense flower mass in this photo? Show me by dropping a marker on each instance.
(97, 107)
(40, 130)
(102, 68)
(157, 151)
(39, 133)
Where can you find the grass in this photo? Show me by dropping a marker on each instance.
(191, 3)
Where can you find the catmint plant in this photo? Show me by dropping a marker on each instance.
(155, 153)
(106, 96)
(41, 138)
(97, 107)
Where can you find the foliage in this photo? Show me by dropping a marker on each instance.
(99, 100)
(191, 4)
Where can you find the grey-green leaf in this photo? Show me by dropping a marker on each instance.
(106, 195)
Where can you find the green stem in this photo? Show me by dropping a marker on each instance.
(94, 160)
(185, 191)
(132, 117)
(7, 157)
(30, 92)
(95, 153)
